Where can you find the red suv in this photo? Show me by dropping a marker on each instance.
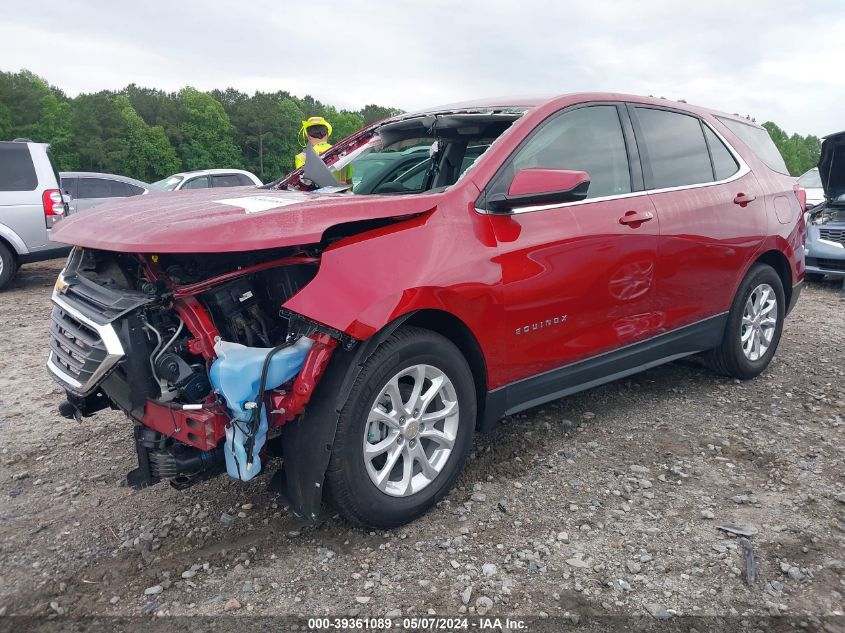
(526, 250)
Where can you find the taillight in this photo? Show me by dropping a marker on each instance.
(54, 206)
(801, 194)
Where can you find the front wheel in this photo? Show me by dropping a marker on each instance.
(404, 432)
(754, 326)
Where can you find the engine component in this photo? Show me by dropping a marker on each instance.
(236, 375)
(191, 382)
(179, 460)
(236, 304)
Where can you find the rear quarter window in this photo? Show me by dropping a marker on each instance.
(17, 173)
(724, 164)
(758, 141)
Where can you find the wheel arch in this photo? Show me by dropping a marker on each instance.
(451, 327)
(12, 241)
(780, 263)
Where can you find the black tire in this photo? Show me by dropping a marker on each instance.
(814, 277)
(8, 265)
(729, 359)
(349, 487)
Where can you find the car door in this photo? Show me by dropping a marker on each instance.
(93, 191)
(199, 182)
(578, 277)
(68, 186)
(705, 196)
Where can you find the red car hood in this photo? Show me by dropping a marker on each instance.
(225, 220)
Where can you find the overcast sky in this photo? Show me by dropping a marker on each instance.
(780, 61)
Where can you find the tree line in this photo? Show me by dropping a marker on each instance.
(149, 134)
(800, 153)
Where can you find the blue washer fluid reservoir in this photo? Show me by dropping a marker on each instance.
(236, 375)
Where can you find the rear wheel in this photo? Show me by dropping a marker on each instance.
(754, 326)
(404, 432)
(8, 265)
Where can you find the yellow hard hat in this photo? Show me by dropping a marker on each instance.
(314, 120)
(317, 120)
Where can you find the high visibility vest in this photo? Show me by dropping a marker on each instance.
(322, 148)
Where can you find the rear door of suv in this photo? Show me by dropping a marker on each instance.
(711, 221)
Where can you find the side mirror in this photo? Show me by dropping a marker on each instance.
(535, 185)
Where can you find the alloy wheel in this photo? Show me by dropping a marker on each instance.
(759, 322)
(411, 430)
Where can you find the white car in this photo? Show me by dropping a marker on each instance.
(812, 184)
(206, 178)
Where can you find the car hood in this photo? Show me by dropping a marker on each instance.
(226, 220)
(832, 165)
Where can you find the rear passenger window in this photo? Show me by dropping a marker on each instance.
(244, 179)
(134, 190)
(17, 173)
(674, 144)
(200, 182)
(724, 164)
(101, 188)
(586, 139)
(226, 180)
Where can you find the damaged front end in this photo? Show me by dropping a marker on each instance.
(196, 350)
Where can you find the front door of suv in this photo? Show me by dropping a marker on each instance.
(707, 233)
(578, 277)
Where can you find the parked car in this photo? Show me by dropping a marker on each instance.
(30, 205)
(367, 337)
(825, 245)
(811, 182)
(207, 178)
(87, 189)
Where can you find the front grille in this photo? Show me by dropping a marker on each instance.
(833, 235)
(81, 351)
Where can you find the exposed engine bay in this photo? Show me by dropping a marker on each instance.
(190, 392)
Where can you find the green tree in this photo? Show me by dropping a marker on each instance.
(146, 153)
(207, 134)
(800, 153)
(97, 128)
(5, 123)
(372, 113)
(345, 123)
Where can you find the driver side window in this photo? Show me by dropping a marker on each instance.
(585, 139)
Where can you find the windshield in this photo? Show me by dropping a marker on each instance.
(168, 184)
(811, 179)
(416, 154)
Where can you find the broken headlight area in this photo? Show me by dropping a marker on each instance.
(195, 349)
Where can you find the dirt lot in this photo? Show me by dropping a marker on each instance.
(608, 502)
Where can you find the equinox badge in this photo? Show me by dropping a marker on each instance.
(539, 325)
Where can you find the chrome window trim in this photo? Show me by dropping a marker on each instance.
(114, 349)
(743, 170)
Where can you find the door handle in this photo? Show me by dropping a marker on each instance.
(635, 218)
(742, 199)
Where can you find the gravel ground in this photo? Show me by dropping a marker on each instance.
(607, 502)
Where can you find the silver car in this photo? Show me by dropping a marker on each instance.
(30, 204)
(87, 189)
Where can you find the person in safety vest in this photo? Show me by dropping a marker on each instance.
(316, 131)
